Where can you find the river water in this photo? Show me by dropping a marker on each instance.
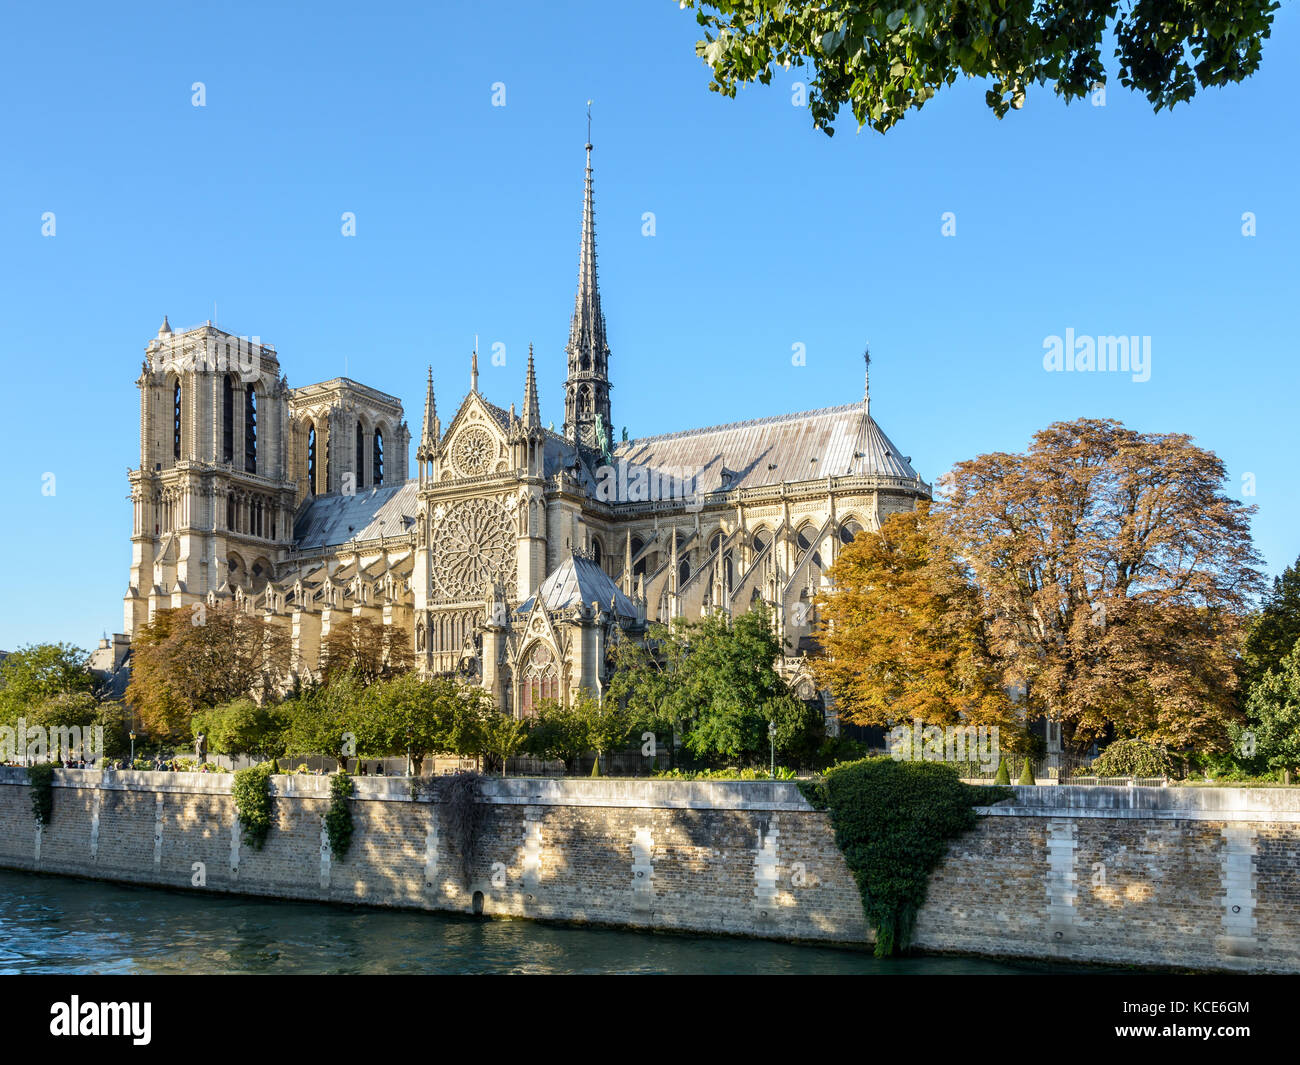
(51, 924)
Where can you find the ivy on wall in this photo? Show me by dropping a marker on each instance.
(41, 778)
(252, 795)
(893, 821)
(338, 818)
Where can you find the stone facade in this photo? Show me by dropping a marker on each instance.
(517, 553)
(1158, 877)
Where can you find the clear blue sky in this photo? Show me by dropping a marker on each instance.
(1105, 220)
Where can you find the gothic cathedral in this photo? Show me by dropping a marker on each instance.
(516, 553)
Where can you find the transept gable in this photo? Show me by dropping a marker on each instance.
(475, 443)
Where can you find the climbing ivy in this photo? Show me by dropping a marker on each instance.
(252, 795)
(462, 813)
(893, 821)
(41, 778)
(338, 819)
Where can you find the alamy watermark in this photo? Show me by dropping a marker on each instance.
(948, 743)
(629, 483)
(40, 744)
(1087, 354)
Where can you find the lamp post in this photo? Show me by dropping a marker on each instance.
(409, 738)
(132, 748)
(771, 735)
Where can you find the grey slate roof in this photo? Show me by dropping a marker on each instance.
(580, 582)
(773, 450)
(327, 520)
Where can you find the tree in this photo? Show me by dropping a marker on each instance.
(902, 631)
(728, 689)
(503, 737)
(183, 661)
(1275, 631)
(437, 714)
(559, 731)
(36, 673)
(883, 60)
(1115, 574)
(371, 651)
(337, 720)
(1272, 735)
(643, 678)
(241, 726)
(606, 723)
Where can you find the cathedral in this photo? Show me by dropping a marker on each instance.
(516, 553)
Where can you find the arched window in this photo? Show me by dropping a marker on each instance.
(311, 459)
(176, 420)
(361, 455)
(596, 553)
(230, 511)
(715, 542)
(584, 400)
(761, 539)
(250, 429)
(228, 419)
(378, 463)
(541, 678)
(683, 572)
(804, 540)
(848, 531)
(639, 565)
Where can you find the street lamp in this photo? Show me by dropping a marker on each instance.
(133, 749)
(409, 738)
(771, 735)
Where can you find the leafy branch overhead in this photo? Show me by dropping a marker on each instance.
(882, 59)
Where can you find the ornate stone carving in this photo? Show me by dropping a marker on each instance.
(472, 544)
(473, 452)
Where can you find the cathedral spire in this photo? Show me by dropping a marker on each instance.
(429, 437)
(473, 369)
(586, 392)
(532, 415)
(866, 383)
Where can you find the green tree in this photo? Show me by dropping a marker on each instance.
(503, 737)
(728, 690)
(242, 726)
(36, 673)
(1272, 735)
(558, 731)
(335, 720)
(883, 60)
(1275, 630)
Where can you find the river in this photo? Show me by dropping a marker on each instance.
(51, 924)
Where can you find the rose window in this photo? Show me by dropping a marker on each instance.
(472, 544)
(473, 452)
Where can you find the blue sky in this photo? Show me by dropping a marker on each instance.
(1105, 220)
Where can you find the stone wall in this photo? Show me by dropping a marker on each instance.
(1192, 878)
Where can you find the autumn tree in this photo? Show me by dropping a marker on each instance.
(1115, 573)
(882, 60)
(902, 631)
(370, 650)
(186, 660)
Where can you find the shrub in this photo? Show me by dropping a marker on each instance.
(1003, 775)
(1132, 758)
(41, 778)
(893, 820)
(252, 795)
(1027, 774)
(338, 819)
